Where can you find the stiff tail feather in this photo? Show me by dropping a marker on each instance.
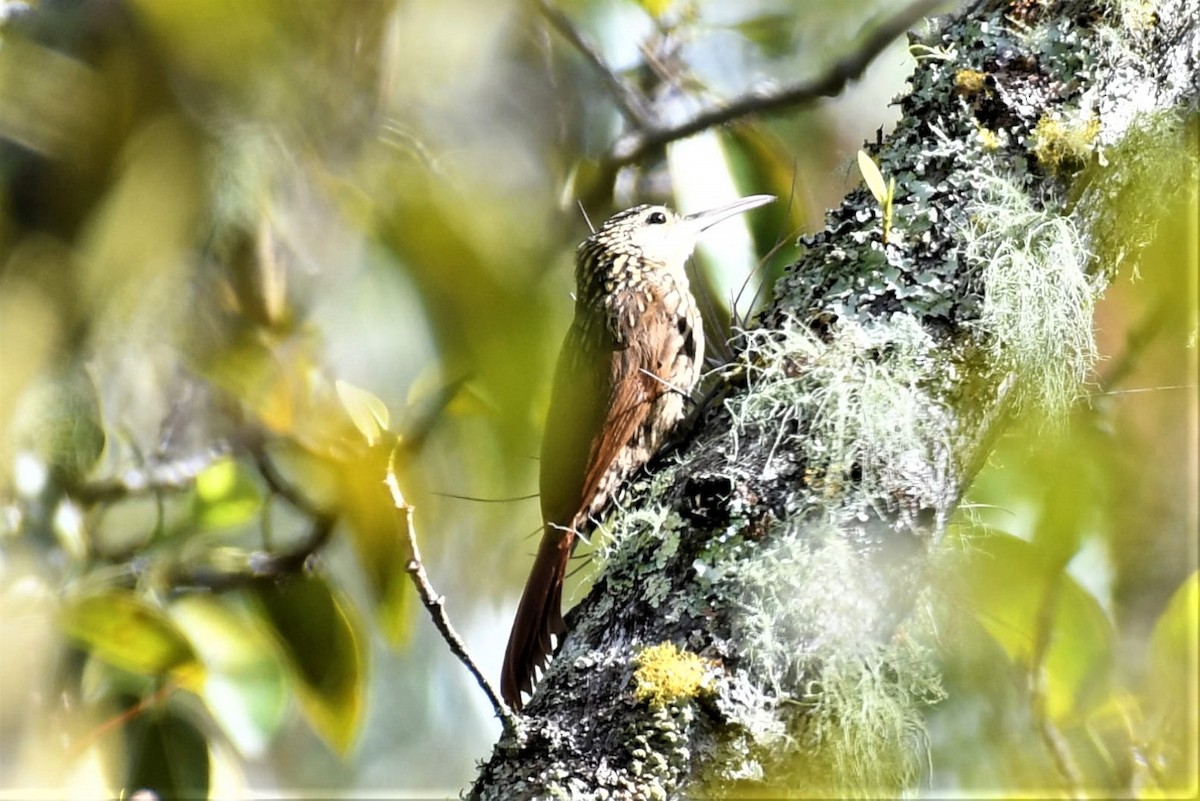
(539, 615)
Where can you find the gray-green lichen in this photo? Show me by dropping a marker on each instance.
(847, 700)
(858, 408)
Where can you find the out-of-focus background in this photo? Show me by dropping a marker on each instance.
(240, 240)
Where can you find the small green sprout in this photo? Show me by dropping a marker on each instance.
(368, 413)
(920, 52)
(884, 193)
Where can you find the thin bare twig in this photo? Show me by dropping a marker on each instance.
(92, 737)
(1056, 743)
(631, 103)
(280, 485)
(987, 432)
(436, 604)
(646, 138)
(1140, 337)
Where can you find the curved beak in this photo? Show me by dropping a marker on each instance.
(706, 219)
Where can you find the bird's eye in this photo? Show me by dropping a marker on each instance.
(656, 218)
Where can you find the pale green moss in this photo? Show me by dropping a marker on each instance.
(852, 703)
(1160, 170)
(622, 532)
(1038, 297)
(1136, 15)
(853, 407)
(862, 725)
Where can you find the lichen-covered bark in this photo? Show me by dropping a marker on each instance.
(784, 542)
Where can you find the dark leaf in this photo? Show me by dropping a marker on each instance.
(322, 647)
(166, 754)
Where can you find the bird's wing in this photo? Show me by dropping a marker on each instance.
(637, 375)
(576, 415)
(602, 394)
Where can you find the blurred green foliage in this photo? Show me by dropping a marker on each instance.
(1073, 554)
(245, 246)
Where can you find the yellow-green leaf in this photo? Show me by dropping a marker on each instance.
(127, 632)
(1173, 640)
(368, 413)
(219, 39)
(760, 162)
(265, 374)
(873, 177)
(1171, 688)
(656, 8)
(245, 682)
(226, 495)
(378, 542)
(773, 33)
(322, 648)
(1014, 591)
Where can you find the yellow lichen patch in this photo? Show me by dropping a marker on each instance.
(1138, 15)
(989, 140)
(665, 674)
(1064, 140)
(970, 82)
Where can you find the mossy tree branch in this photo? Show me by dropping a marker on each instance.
(785, 543)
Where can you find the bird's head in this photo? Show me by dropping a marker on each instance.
(661, 236)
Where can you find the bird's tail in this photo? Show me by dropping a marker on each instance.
(539, 615)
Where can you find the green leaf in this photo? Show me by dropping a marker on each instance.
(251, 372)
(218, 39)
(1014, 591)
(368, 413)
(127, 632)
(165, 753)
(773, 34)
(1171, 688)
(378, 542)
(702, 177)
(1173, 642)
(656, 8)
(321, 646)
(588, 182)
(760, 162)
(226, 495)
(245, 686)
(873, 177)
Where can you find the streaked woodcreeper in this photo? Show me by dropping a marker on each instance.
(629, 362)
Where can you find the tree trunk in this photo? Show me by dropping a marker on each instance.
(783, 546)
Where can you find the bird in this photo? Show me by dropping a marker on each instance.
(628, 364)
